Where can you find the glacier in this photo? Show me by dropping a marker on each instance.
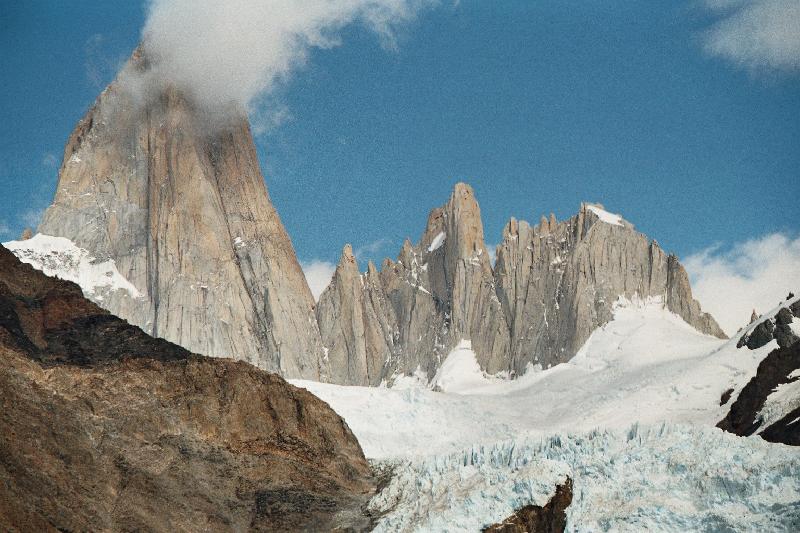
(664, 477)
(630, 419)
(647, 365)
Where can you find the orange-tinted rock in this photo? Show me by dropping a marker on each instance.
(105, 428)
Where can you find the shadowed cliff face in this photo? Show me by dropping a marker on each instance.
(105, 428)
(177, 199)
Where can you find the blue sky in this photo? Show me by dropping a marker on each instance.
(538, 105)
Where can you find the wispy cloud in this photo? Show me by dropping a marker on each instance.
(5, 231)
(730, 283)
(368, 250)
(492, 250)
(318, 275)
(50, 160)
(100, 64)
(756, 34)
(235, 53)
(32, 217)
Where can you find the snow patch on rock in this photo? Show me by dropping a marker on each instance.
(783, 400)
(605, 216)
(61, 258)
(437, 241)
(460, 371)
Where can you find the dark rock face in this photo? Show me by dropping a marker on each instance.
(786, 430)
(784, 335)
(772, 371)
(726, 397)
(550, 518)
(777, 327)
(103, 428)
(759, 337)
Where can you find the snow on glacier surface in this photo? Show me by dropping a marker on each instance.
(61, 258)
(630, 419)
(656, 478)
(460, 372)
(647, 365)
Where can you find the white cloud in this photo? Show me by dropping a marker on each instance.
(367, 250)
(753, 274)
(492, 251)
(50, 160)
(756, 34)
(318, 275)
(236, 52)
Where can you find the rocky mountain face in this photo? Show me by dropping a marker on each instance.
(171, 200)
(180, 205)
(558, 282)
(408, 315)
(104, 428)
(551, 286)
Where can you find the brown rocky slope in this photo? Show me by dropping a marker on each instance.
(104, 428)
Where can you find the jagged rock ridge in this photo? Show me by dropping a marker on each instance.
(104, 428)
(408, 315)
(558, 282)
(179, 203)
(175, 198)
(552, 285)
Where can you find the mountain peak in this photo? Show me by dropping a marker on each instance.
(183, 211)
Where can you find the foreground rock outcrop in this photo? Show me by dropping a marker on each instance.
(104, 428)
(552, 285)
(769, 404)
(175, 197)
(548, 518)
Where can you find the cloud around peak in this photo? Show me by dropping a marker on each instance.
(756, 34)
(755, 274)
(318, 275)
(236, 52)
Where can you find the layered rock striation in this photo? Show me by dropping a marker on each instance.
(175, 197)
(104, 428)
(552, 285)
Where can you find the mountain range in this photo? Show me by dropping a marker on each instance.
(567, 380)
(179, 205)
